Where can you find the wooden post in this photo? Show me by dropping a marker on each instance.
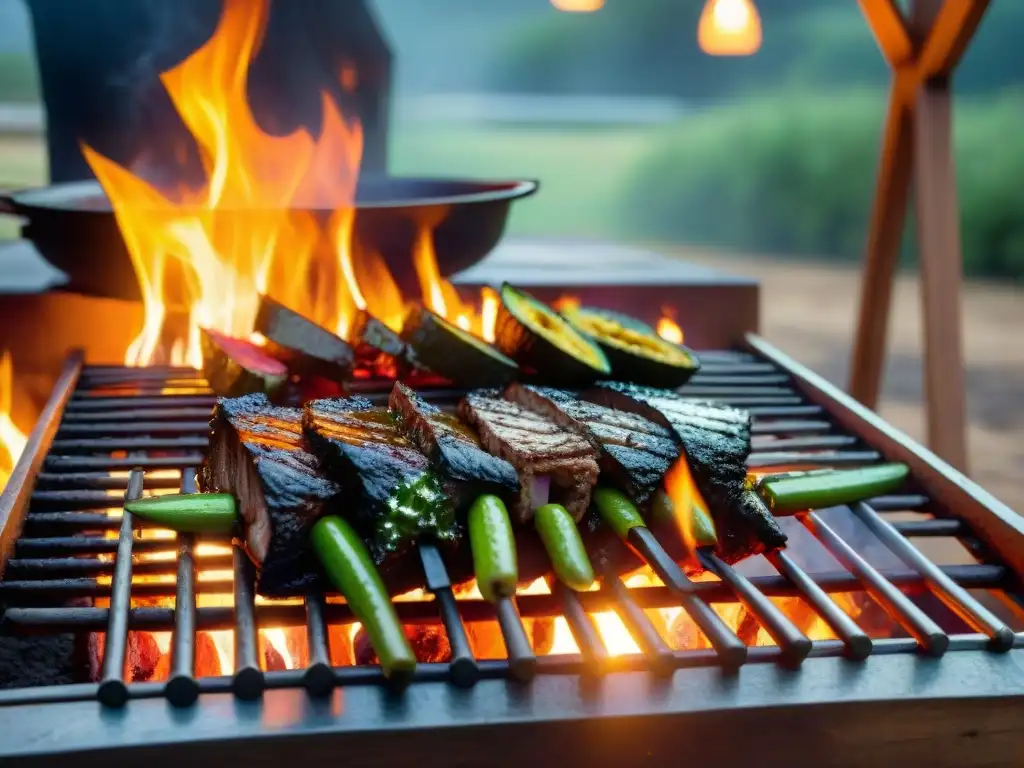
(917, 143)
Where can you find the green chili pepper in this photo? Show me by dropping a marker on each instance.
(347, 562)
(798, 492)
(615, 508)
(494, 548)
(702, 527)
(188, 512)
(564, 546)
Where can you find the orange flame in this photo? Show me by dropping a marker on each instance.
(578, 6)
(667, 326)
(729, 28)
(12, 440)
(208, 252)
(682, 490)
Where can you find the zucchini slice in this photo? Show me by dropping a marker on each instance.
(301, 344)
(545, 343)
(636, 352)
(455, 354)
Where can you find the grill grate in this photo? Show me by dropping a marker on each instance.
(130, 422)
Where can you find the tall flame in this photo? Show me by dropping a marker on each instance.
(12, 440)
(683, 492)
(206, 253)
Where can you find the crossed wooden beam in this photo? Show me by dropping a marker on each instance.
(923, 48)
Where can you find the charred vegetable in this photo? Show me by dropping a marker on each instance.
(457, 355)
(234, 367)
(379, 349)
(636, 352)
(188, 512)
(347, 563)
(544, 342)
(799, 491)
(302, 344)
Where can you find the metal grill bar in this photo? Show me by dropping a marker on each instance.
(931, 637)
(117, 413)
(112, 690)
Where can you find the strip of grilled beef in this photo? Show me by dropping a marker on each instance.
(633, 452)
(258, 454)
(716, 443)
(392, 495)
(453, 449)
(535, 446)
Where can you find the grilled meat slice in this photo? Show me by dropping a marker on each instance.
(396, 498)
(535, 446)
(258, 453)
(633, 452)
(716, 443)
(452, 448)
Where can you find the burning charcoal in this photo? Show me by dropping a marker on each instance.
(258, 453)
(379, 351)
(542, 635)
(485, 639)
(538, 449)
(234, 367)
(273, 661)
(339, 639)
(393, 497)
(429, 643)
(301, 344)
(207, 661)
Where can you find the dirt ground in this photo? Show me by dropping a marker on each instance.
(809, 311)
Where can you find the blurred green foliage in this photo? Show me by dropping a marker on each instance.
(794, 174)
(650, 47)
(18, 79)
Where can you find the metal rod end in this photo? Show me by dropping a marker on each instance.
(248, 683)
(936, 643)
(733, 656)
(319, 679)
(464, 672)
(859, 647)
(1002, 640)
(182, 690)
(113, 693)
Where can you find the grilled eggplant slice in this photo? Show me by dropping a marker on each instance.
(397, 498)
(544, 343)
(258, 454)
(235, 367)
(457, 355)
(301, 344)
(636, 352)
(716, 443)
(378, 349)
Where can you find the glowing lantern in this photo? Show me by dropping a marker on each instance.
(578, 6)
(729, 28)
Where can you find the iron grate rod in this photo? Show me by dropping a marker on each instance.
(956, 598)
(85, 463)
(921, 626)
(181, 688)
(248, 681)
(318, 678)
(112, 690)
(592, 648)
(522, 663)
(463, 666)
(660, 658)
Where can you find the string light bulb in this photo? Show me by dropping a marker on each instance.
(729, 28)
(578, 6)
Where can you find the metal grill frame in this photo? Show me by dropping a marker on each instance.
(693, 685)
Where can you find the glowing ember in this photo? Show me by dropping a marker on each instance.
(668, 328)
(12, 440)
(729, 28)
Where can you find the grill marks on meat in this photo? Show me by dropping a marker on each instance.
(258, 453)
(534, 446)
(716, 443)
(453, 448)
(633, 451)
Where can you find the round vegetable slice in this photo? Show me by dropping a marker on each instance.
(564, 546)
(458, 355)
(636, 352)
(544, 342)
(494, 548)
(347, 562)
